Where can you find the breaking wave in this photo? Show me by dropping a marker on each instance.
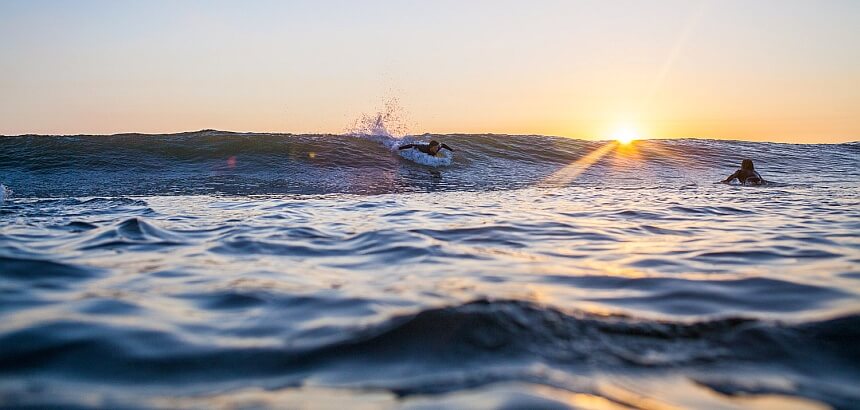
(213, 162)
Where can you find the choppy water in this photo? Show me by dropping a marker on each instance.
(217, 270)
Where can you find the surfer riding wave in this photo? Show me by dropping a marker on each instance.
(431, 148)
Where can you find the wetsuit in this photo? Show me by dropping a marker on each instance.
(425, 148)
(746, 176)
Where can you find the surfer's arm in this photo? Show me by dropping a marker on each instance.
(731, 177)
(447, 147)
(407, 146)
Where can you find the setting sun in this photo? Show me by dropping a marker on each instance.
(625, 135)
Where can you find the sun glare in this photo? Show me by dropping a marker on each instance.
(625, 135)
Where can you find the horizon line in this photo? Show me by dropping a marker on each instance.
(729, 139)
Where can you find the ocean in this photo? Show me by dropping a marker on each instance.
(214, 269)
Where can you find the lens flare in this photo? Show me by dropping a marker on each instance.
(572, 171)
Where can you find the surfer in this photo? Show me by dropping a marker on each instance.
(430, 149)
(747, 174)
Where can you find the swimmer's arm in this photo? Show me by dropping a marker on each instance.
(407, 146)
(730, 177)
(447, 147)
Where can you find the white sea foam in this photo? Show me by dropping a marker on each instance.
(442, 159)
(5, 193)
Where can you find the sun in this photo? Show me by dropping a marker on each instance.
(625, 135)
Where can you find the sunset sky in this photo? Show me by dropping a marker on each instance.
(756, 70)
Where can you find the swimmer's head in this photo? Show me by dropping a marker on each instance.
(434, 146)
(747, 165)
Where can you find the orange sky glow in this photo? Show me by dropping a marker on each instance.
(785, 71)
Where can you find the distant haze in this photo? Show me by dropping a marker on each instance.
(755, 70)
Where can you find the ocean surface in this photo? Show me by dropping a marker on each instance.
(233, 270)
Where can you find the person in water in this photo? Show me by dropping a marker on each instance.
(430, 149)
(747, 175)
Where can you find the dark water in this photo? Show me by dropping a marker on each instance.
(282, 271)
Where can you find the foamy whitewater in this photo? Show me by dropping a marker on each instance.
(216, 269)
